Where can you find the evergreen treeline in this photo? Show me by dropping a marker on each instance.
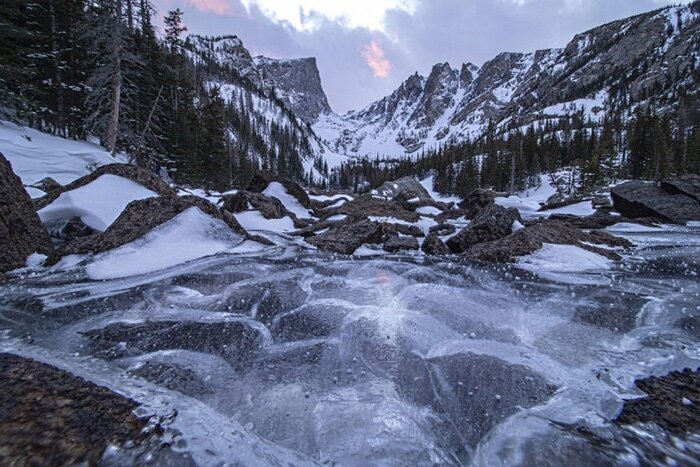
(76, 68)
(646, 146)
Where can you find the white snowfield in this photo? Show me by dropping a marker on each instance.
(98, 203)
(253, 221)
(188, 236)
(35, 155)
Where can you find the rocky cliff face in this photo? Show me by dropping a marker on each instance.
(298, 83)
(619, 64)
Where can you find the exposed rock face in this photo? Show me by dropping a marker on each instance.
(442, 229)
(74, 228)
(366, 205)
(688, 185)
(477, 200)
(406, 188)
(298, 83)
(396, 243)
(260, 182)
(140, 217)
(347, 236)
(21, 231)
(642, 199)
(492, 222)
(269, 207)
(665, 402)
(133, 173)
(50, 417)
(432, 245)
(234, 341)
(172, 376)
(48, 185)
(531, 238)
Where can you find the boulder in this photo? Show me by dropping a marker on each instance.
(140, 217)
(403, 229)
(643, 199)
(672, 402)
(347, 236)
(72, 229)
(432, 245)
(475, 201)
(269, 207)
(367, 205)
(688, 185)
(397, 242)
(559, 200)
(531, 238)
(48, 185)
(261, 181)
(50, 417)
(491, 223)
(405, 188)
(442, 229)
(21, 231)
(600, 220)
(136, 174)
(171, 376)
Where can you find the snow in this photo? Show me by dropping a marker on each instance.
(98, 203)
(337, 217)
(322, 198)
(188, 236)
(584, 208)
(34, 193)
(253, 221)
(35, 260)
(276, 190)
(35, 155)
(428, 210)
(428, 185)
(563, 259)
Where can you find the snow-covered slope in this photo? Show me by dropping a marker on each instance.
(618, 64)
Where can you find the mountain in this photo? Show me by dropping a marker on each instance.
(614, 67)
(271, 96)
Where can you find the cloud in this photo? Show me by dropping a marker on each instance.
(219, 7)
(374, 54)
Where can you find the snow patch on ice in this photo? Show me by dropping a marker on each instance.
(253, 221)
(276, 190)
(563, 258)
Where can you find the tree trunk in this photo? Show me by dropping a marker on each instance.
(113, 128)
(58, 78)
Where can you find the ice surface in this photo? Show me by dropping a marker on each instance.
(98, 203)
(276, 190)
(428, 210)
(188, 236)
(563, 258)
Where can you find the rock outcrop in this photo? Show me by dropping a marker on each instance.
(140, 217)
(432, 245)
(405, 188)
(491, 223)
(136, 174)
(672, 402)
(672, 201)
(396, 242)
(531, 238)
(347, 236)
(475, 201)
(269, 207)
(50, 417)
(21, 231)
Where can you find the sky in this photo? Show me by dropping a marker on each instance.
(366, 48)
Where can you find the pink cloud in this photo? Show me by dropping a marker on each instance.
(374, 55)
(219, 7)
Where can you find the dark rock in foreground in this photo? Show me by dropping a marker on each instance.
(642, 199)
(21, 231)
(492, 222)
(688, 185)
(50, 417)
(171, 376)
(673, 402)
